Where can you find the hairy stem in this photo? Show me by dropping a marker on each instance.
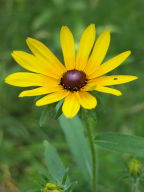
(135, 186)
(93, 153)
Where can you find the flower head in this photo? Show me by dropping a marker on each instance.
(51, 187)
(135, 167)
(83, 72)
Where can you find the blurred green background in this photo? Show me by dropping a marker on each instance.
(21, 137)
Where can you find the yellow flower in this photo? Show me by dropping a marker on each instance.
(83, 72)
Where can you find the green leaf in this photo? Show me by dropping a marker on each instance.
(54, 163)
(121, 143)
(43, 118)
(69, 189)
(74, 132)
(65, 176)
(47, 112)
(59, 109)
(1, 137)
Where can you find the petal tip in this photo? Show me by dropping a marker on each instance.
(106, 34)
(107, 31)
(15, 53)
(92, 25)
(134, 78)
(91, 28)
(118, 93)
(69, 116)
(28, 39)
(128, 52)
(64, 29)
(39, 103)
(21, 95)
(6, 80)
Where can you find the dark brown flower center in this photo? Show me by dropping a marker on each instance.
(73, 80)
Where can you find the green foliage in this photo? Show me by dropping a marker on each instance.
(121, 143)
(56, 169)
(47, 113)
(74, 132)
(53, 162)
(51, 111)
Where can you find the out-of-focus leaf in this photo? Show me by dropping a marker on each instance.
(74, 132)
(1, 137)
(47, 112)
(70, 187)
(42, 19)
(43, 117)
(51, 111)
(54, 164)
(121, 143)
(58, 3)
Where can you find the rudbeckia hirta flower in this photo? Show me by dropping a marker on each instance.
(82, 73)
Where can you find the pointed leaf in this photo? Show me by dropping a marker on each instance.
(121, 143)
(74, 132)
(59, 109)
(65, 176)
(54, 163)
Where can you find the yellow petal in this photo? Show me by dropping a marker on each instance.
(90, 86)
(71, 105)
(52, 98)
(114, 80)
(86, 100)
(40, 91)
(99, 52)
(111, 64)
(34, 64)
(25, 79)
(85, 46)
(68, 47)
(40, 50)
(108, 90)
(26, 60)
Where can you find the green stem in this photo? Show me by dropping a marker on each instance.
(135, 186)
(93, 153)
